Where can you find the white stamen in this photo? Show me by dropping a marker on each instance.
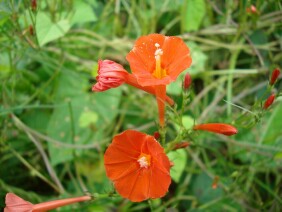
(143, 162)
(159, 52)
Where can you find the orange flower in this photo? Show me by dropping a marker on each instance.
(17, 204)
(112, 75)
(138, 166)
(219, 128)
(157, 60)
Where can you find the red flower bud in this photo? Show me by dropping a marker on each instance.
(215, 182)
(187, 81)
(33, 5)
(274, 76)
(269, 101)
(252, 9)
(31, 31)
(219, 128)
(110, 75)
(156, 135)
(181, 145)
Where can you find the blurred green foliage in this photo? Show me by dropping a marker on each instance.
(54, 130)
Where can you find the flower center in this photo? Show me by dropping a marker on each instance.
(159, 72)
(144, 160)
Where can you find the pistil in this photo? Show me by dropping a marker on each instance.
(159, 72)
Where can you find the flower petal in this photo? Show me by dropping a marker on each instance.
(176, 56)
(159, 183)
(16, 204)
(137, 185)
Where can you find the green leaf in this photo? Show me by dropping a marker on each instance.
(81, 117)
(87, 118)
(202, 188)
(179, 158)
(192, 14)
(37, 119)
(199, 59)
(188, 122)
(278, 156)
(272, 132)
(83, 13)
(47, 31)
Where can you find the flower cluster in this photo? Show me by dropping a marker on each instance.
(136, 162)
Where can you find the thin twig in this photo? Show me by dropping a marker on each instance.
(48, 165)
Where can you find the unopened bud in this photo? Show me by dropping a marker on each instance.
(274, 76)
(187, 81)
(156, 135)
(269, 101)
(220, 128)
(31, 31)
(215, 182)
(252, 9)
(33, 5)
(181, 145)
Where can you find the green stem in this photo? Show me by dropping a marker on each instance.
(232, 67)
(33, 170)
(150, 205)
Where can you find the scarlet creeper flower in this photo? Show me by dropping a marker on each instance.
(274, 76)
(17, 204)
(269, 101)
(187, 81)
(157, 60)
(219, 128)
(112, 75)
(138, 166)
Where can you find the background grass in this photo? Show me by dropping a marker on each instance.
(54, 130)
